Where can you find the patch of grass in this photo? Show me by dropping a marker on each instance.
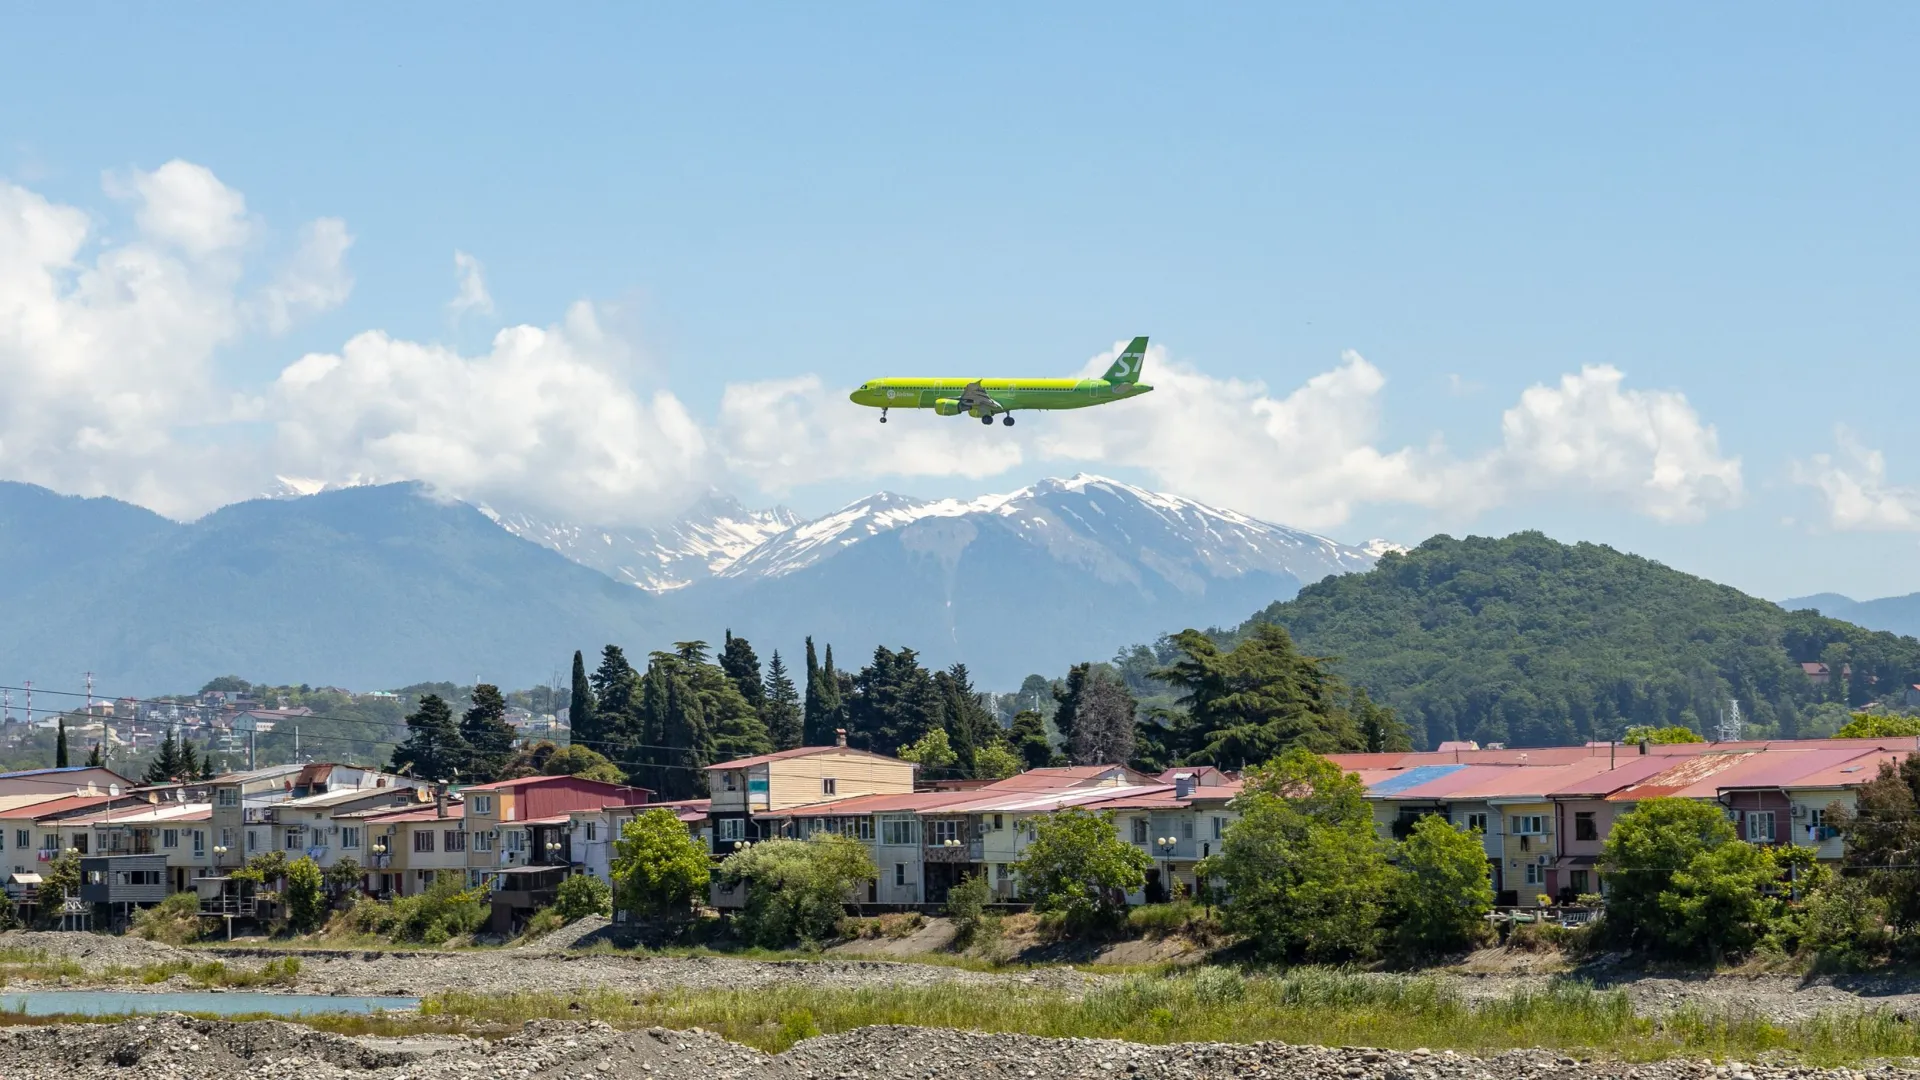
(35, 965)
(1315, 1006)
(379, 1022)
(280, 971)
(1183, 918)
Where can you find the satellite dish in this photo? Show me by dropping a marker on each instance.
(113, 789)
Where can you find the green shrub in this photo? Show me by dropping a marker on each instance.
(1077, 866)
(658, 867)
(967, 907)
(798, 889)
(305, 894)
(1844, 923)
(446, 910)
(175, 920)
(582, 895)
(1441, 888)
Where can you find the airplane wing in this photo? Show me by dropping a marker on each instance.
(974, 397)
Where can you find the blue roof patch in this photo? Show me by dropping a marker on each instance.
(43, 772)
(1412, 778)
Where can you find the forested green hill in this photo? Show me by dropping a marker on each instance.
(1533, 642)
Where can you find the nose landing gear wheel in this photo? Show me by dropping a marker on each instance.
(883, 416)
(1007, 419)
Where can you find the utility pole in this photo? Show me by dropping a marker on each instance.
(251, 732)
(6, 704)
(89, 695)
(29, 701)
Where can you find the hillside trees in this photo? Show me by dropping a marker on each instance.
(1532, 642)
(1027, 738)
(1249, 703)
(894, 702)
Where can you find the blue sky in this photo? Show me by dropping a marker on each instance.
(1713, 202)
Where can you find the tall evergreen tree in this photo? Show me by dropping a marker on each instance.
(165, 766)
(823, 707)
(614, 730)
(1028, 737)
(580, 704)
(895, 702)
(742, 666)
(970, 726)
(60, 746)
(189, 761)
(434, 749)
(785, 724)
(93, 757)
(1103, 721)
(488, 736)
(1066, 697)
(1248, 704)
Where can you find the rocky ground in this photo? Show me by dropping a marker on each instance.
(165, 1048)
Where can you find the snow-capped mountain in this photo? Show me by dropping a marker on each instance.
(1115, 529)
(702, 542)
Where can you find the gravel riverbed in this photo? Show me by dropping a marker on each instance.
(178, 1048)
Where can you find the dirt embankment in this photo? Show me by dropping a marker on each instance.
(177, 1047)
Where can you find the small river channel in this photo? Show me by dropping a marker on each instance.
(120, 1002)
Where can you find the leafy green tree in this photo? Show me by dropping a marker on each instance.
(1442, 890)
(742, 667)
(1077, 866)
(1248, 703)
(967, 908)
(1380, 730)
(1879, 726)
(60, 880)
(580, 701)
(226, 684)
(932, 752)
(487, 735)
(60, 746)
(305, 895)
(1680, 884)
(1305, 874)
(582, 762)
(1028, 739)
(658, 869)
(782, 713)
(580, 896)
(797, 890)
(1883, 832)
(1660, 736)
(344, 877)
(434, 749)
(995, 761)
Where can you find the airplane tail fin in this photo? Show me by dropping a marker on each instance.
(1126, 369)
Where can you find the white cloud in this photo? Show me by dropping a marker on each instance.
(1854, 486)
(472, 294)
(186, 205)
(1648, 449)
(108, 359)
(544, 420)
(314, 280)
(786, 433)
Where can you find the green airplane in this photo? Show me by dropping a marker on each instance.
(987, 398)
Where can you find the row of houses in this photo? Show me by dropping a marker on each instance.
(1542, 814)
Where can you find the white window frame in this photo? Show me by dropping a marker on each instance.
(1477, 821)
(900, 875)
(350, 837)
(292, 838)
(483, 805)
(1536, 874)
(730, 829)
(482, 840)
(1757, 836)
(170, 838)
(199, 843)
(1528, 824)
(591, 832)
(423, 841)
(1140, 828)
(944, 829)
(227, 797)
(454, 842)
(828, 784)
(899, 832)
(863, 829)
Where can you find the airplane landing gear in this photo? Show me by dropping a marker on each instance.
(883, 416)
(987, 420)
(1007, 419)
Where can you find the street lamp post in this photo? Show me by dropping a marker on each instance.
(1166, 844)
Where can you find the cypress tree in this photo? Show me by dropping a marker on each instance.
(580, 705)
(189, 761)
(93, 757)
(60, 746)
(785, 724)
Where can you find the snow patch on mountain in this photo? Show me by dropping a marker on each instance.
(702, 542)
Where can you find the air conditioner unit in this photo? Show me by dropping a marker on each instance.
(1542, 860)
(1799, 810)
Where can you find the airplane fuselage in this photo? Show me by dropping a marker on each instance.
(1010, 395)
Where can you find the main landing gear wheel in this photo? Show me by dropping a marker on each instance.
(987, 420)
(1007, 419)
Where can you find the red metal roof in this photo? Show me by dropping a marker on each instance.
(876, 804)
(1777, 769)
(455, 812)
(1851, 773)
(57, 807)
(1683, 775)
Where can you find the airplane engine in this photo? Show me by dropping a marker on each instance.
(947, 406)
